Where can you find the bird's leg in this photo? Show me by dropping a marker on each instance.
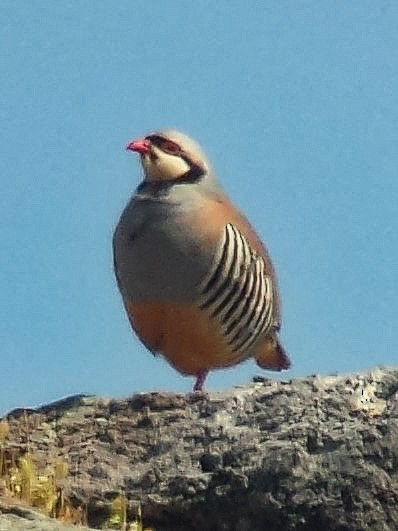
(200, 380)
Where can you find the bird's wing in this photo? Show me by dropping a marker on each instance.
(212, 220)
(239, 290)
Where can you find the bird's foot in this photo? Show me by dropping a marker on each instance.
(200, 380)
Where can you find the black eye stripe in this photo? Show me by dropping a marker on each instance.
(156, 140)
(159, 142)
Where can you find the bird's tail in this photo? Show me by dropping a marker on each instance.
(271, 355)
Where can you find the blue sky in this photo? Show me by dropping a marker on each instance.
(297, 105)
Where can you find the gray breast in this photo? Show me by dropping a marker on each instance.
(157, 254)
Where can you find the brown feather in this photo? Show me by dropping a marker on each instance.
(183, 334)
(212, 220)
(271, 355)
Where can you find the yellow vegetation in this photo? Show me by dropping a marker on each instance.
(117, 518)
(42, 488)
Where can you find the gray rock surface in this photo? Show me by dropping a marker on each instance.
(14, 517)
(318, 453)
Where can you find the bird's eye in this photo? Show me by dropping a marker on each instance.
(170, 147)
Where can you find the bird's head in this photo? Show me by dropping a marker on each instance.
(170, 156)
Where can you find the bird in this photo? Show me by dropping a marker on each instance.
(197, 283)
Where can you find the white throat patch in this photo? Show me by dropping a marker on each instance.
(163, 166)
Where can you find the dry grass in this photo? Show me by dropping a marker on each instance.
(118, 516)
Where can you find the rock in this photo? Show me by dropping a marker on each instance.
(14, 517)
(306, 454)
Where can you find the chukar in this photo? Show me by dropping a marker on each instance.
(197, 283)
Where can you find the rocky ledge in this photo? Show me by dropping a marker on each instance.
(307, 454)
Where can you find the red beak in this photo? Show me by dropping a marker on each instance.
(141, 146)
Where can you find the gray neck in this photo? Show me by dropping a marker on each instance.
(172, 190)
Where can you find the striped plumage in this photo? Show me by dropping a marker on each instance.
(237, 293)
(198, 285)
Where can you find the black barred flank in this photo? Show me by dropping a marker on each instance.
(261, 325)
(224, 280)
(219, 266)
(237, 292)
